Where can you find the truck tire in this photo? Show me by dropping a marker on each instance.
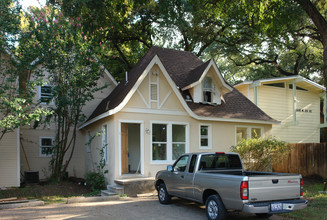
(215, 209)
(263, 215)
(163, 196)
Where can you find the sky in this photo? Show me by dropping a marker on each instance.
(27, 3)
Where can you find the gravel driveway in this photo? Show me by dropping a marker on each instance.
(125, 208)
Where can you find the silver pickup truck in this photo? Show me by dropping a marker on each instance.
(219, 181)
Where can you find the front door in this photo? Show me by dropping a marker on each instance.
(124, 148)
(130, 148)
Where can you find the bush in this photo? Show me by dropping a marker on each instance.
(259, 154)
(95, 180)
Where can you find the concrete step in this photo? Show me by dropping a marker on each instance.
(118, 190)
(107, 193)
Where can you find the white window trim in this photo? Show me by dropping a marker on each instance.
(40, 96)
(211, 90)
(151, 73)
(169, 140)
(248, 131)
(88, 143)
(105, 154)
(40, 145)
(209, 136)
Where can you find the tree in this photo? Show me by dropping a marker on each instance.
(123, 26)
(69, 64)
(16, 92)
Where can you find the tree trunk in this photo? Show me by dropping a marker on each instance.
(321, 24)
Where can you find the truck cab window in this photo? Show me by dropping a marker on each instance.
(181, 164)
(192, 164)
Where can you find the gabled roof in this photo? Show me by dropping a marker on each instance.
(300, 80)
(184, 69)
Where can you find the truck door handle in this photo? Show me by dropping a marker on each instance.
(275, 181)
(182, 177)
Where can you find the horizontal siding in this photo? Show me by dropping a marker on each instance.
(278, 103)
(8, 160)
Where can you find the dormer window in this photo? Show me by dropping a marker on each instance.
(207, 88)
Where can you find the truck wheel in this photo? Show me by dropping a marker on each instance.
(263, 215)
(163, 196)
(215, 209)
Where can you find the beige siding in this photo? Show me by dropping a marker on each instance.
(278, 103)
(9, 169)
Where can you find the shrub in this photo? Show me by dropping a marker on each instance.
(95, 180)
(258, 154)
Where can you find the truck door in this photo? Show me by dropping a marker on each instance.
(175, 181)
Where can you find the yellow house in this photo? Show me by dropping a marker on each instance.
(170, 103)
(294, 100)
(9, 144)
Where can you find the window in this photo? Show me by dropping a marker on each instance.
(220, 161)
(290, 86)
(181, 164)
(207, 90)
(279, 85)
(243, 133)
(46, 146)
(169, 141)
(205, 136)
(46, 94)
(154, 82)
(159, 142)
(179, 140)
(154, 92)
(105, 142)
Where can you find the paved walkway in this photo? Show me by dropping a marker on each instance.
(126, 208)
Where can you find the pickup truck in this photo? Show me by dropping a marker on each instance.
(219, 181)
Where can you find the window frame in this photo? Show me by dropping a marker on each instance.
(40, 95)
(248, 131)
(205, 90)
(40, 145)
(209, 136)
(169, 145)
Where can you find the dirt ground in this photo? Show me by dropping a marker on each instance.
(125, 208)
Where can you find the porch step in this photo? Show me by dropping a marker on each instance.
(108, 193)
(133, 186)
(118, 190)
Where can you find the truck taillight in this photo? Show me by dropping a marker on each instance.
(301, 187)
(244, 190)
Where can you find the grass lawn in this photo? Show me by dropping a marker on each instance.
(49, 193)
(317, 207)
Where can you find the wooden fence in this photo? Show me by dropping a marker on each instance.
(306, 159)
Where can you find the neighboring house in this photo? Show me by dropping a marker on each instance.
(27, 149)
(9, 145)
(294, 100)
(170, 103)
(38, 142)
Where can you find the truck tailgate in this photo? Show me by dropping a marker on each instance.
(274, 187)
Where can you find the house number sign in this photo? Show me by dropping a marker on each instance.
(304, 110)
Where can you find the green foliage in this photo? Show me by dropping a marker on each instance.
(258, 154)
(70, 65)
(95, 180)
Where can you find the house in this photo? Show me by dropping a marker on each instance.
(26, 148)
(171, 102)
(293, 100)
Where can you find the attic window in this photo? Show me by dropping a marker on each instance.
(279, 85)
(207, 90)
(290, 86)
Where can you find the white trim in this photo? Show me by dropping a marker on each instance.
(40, 145)
(109, 75)
(209, 136)
(105, 142)
(18, 156)
(169, 140)
(165, 99)
(154, 111)
(141, 123)
(143, 99)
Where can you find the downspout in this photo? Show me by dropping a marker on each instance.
(294, 102)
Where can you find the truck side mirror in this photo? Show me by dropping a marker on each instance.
(170, 168)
